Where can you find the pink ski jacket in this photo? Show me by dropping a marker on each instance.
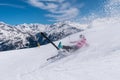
(80, 43)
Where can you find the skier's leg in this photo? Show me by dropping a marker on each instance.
(74, 48)
(68, 48)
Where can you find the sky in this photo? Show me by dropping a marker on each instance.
(46, 11)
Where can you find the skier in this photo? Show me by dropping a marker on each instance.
(75, 44)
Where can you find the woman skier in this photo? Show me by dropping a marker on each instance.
(75, 44)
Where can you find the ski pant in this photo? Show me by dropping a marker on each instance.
(68, 48)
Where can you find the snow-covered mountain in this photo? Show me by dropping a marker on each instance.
(28, 35)
(99, 61)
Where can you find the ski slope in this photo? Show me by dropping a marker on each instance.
(99, 61)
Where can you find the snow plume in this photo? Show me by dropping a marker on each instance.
(59, 10)
(109, 12)
(112, 8)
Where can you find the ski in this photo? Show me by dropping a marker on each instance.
(61, 54)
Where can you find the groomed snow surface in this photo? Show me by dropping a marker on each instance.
(99, 61)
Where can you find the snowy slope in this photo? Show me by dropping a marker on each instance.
(99, 61)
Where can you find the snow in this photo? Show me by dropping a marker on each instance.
(99, 61)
